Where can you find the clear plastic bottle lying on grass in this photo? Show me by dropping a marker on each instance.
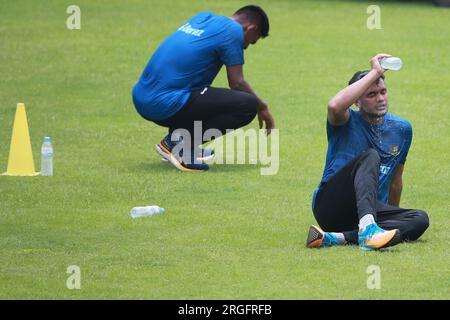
(138, 212)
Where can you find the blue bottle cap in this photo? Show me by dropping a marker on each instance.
(47, 139)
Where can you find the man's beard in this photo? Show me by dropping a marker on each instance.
(374, 114)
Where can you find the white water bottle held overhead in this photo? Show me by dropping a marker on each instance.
(47, 158)
(391, 63)
(138, 212)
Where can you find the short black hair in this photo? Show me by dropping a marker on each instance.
(256, 14)
(361, 74)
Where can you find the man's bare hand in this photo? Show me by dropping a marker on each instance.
(265, 116)
(375, 62)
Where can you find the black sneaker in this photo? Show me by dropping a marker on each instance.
(202, 154)
(165, 147)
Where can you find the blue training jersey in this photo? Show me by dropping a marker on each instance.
(186, 61)
(391, 139)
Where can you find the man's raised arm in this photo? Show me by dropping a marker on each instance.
(344, 99)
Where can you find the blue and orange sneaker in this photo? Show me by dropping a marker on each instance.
(201, 154)
(165, 148)
(373, 237)
(317, 238)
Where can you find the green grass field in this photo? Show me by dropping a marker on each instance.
(229, 233)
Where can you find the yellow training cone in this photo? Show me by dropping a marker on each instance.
(20, 161)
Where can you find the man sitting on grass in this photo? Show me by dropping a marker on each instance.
(357, 201)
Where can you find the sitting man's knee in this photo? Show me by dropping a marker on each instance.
(419, 225)
(372, 153)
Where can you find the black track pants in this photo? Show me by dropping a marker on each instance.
(352, 193)
(216, 108)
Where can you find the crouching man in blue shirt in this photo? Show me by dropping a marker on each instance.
(174, 89)
(357, 201)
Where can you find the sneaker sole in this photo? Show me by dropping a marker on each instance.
(199, 159)
(315, 237)
(166, 154)
(395, 239)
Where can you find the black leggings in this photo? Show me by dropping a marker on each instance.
(217, 108)
(352, 193)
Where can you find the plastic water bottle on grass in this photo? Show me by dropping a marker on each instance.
(138, 212)
(47, 158)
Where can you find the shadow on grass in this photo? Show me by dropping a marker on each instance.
(234, 167)
(400, 248)
(160, 166)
